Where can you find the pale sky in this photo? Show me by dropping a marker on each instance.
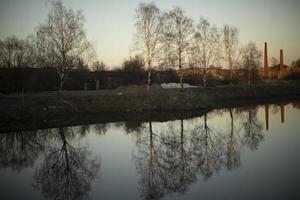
(110, 23)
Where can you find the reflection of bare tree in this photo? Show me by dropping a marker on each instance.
(148, 167)
(20, 149)
(101, 128)
(66, 171)
(164, 162)
(233, 159)
(168, 161)
(208, 149)
(133, 126)
(253, 129)
(296, 104)
(175, 159)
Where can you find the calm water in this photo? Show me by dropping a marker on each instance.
(242, 153)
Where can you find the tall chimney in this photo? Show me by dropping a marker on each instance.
(281, 67)
(281, 59)
(266, 64)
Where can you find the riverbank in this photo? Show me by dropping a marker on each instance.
(81, 107)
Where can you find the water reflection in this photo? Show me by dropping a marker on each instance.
(233, 144)
(169, 161)
(19, 150)
(168, 156)
(66, 171)
(253, 134)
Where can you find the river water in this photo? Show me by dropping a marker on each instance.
(240, 153)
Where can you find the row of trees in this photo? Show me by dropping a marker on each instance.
(16, 52)
(60, 43)
(163, 39)
(170, 39)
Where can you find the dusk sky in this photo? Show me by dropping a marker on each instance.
(110, 23)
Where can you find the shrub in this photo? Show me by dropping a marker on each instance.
(134, 70)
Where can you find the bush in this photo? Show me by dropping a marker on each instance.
(134, 70)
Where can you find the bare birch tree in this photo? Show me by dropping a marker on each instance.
(251, 57)
(230, 42)
(206, 47)
(149, 26)
(178, 35)
(63, 39)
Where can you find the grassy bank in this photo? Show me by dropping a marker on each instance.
(84, 106)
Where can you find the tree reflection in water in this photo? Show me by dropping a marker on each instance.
(170, 159)
(151, 185)
(67, 170)
(233, 145)
(208, 148)
(20, 149)
(164, 162)
(253, 134)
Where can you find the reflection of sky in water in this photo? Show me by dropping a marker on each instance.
(267, 169)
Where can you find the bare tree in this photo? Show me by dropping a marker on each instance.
(15, 52)
(178, 34)
(206, 46)
(296, 63)
(63, 39)
(149, 26)
(230, 42)
(99, 66)
(251, 57)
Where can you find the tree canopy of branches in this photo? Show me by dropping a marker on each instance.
(296, 63)
(16, 53)
(149, 26)
(230, 42)
(206, 49)
(251, 57)
(63, 39)
(178, 33)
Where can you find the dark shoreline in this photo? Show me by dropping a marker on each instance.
(46, 110)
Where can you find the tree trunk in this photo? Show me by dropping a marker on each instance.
(204, 78)
(231, 75)
(61, 83)
(249, 77)
(181, 80)
(149, 80)
(180, 68)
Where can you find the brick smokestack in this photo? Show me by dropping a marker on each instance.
(266, 63)
(281, 60)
